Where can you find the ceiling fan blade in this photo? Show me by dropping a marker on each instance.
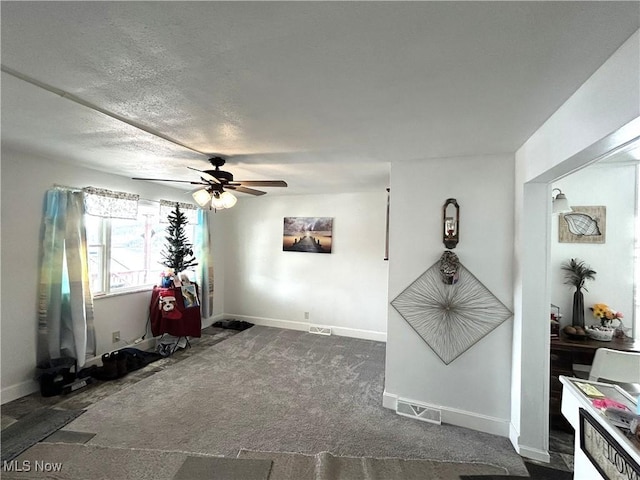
(168, 180)
(261, 183)
(213, 179)
(239, 188)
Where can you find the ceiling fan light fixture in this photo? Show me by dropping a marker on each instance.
(216, 201)
(202, 197)
(213, 194)
(228, 200)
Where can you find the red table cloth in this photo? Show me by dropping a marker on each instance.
(168, 313)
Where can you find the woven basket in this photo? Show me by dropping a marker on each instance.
(602, 334)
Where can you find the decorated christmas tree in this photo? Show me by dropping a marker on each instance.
(178, 252)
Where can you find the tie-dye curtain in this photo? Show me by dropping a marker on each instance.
(205, 263)
(65, 310)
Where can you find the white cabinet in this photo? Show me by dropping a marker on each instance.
(601, 449)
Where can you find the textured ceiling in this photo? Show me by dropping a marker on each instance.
(321, 94)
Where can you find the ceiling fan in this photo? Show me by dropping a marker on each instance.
(216, 183)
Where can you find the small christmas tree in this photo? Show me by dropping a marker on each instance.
(178, 252)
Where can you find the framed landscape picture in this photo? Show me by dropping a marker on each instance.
(307, 234)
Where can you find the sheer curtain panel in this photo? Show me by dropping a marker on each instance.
(65, 304)
(205, 263)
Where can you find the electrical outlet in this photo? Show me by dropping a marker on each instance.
(306, 315)
(115, 337)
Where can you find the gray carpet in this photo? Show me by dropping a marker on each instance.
(212, 468)
(32, 428)
(69, 461)
(88, 462)
(268, 389)
(324, 466)
(69, 436)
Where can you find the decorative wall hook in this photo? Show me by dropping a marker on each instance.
(449, 265)
(450, 223)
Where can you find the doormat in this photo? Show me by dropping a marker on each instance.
(32, 428)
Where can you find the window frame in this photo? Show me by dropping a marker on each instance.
(105, 230)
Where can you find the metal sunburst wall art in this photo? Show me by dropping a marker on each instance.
(450, 308)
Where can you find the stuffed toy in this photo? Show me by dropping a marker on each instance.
(167, 304)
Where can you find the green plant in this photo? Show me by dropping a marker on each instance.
(178, 252)
(576, 273)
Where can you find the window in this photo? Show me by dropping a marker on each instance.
(124, 254)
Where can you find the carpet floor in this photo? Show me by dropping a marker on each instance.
(62, 461)
(33, 428)
(324, 466)
(267, 389)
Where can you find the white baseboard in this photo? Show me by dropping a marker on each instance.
(454, 416)
(533, 453)
(523, 450)
(514, 435)
(270, 322)
(389, 400)
(358, 333)
(304, 326)
(19, 390)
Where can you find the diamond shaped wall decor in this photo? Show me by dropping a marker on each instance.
(450, 318)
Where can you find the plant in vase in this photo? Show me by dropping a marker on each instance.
(576, 273)
(606, 316)
(605, 330)
(178, 252)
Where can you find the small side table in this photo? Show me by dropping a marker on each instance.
(189, 323)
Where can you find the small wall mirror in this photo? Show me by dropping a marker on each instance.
(450, 223)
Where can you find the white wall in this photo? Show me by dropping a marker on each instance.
(473, 390)
(599, 116)
(346, 289)
(614, 186)
(25, 180)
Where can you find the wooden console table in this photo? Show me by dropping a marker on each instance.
(565, 352)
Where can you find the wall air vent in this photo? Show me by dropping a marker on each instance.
(319, 330)
(408, 408)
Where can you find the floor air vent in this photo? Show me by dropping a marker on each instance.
(320, 330)
(419, 412)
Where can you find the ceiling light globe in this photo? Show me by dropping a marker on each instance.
(561, 204)
(202, 197)
(217, 202)
(228, 200)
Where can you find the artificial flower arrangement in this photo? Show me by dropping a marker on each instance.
(605, 331)
(166, 277)
(606, 316)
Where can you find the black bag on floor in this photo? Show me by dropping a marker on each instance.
(54, 374)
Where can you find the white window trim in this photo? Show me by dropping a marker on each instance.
(106, 291)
